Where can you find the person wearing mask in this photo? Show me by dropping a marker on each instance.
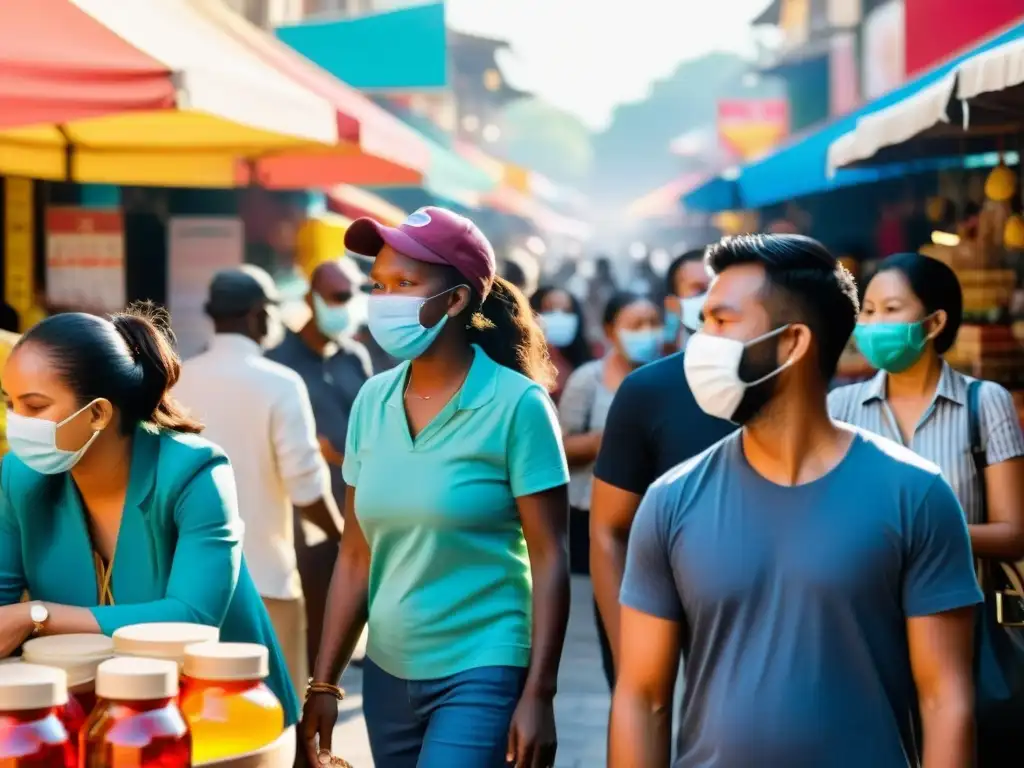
(686, 284)
(333, 366)
(561, 319)
(633, 327)
(912, 311)
(455, 541)
(653, 424)
(258, 411)
(818, 578)
(114, 511)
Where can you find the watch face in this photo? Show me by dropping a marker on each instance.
(39, 614)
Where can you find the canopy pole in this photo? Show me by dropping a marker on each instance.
(69, 153)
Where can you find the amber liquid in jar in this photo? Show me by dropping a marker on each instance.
(137, 722)
(72, 715)
(31, 732)
(136, 734)
(226, 704)
(228, 719)
(35, 738)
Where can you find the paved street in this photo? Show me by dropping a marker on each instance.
(581, 706)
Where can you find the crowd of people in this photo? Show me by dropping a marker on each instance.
(836, 565)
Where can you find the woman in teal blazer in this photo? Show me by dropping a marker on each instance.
(113, 511)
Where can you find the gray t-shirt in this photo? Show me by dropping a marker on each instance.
(583, 408)
(333, 382)
(794, 601)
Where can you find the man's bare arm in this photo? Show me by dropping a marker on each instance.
(640, 735)
(941, 656)
(611, 516)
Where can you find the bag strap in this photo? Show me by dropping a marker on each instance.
(977, 449)
(1010, 572)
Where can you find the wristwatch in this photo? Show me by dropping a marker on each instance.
(39, 616)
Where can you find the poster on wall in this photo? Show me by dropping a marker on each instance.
(197, 248)
(85, 259)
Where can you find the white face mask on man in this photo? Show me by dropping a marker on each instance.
(712, 366)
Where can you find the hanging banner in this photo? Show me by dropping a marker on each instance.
(197, 248)
(85, 259)
(883, 49)
(748, 128)
(19, 264)
(937, 30)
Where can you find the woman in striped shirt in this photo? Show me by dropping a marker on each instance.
(909, 319)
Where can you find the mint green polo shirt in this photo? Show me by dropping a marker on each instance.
(450, 586)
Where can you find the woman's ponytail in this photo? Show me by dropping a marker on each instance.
(505, 328)
(145, 327)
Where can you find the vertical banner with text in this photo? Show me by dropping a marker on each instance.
(19, 246)
(197, 248)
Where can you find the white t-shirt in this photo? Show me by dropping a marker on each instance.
(259, 412)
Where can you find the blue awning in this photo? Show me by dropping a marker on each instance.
(719, 193)
(800, 167)
(400, 50)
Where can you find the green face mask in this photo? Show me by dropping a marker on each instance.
(892, 347)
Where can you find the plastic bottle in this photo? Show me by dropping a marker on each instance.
(226, 704)
(162, 640)
(79, 656)
(31, 732)
(137, 722)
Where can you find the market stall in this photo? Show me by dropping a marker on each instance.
(971, 107)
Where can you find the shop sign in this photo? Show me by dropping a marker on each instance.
(883, 56)
(19, 250)
(197, 248)
(844, 78)
(748, 128)
(85, 259)
(937, 30)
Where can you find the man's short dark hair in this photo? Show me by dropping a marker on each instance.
(806, 284)
(678, 263)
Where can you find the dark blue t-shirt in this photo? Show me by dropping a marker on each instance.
(795, 601)
(654, 424)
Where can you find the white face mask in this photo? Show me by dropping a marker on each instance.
(275, 329)
(34, 441)
(560, 328)
(712, 366)
(690, 310)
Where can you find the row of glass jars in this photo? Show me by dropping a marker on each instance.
(155, 695)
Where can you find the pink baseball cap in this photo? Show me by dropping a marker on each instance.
(431, 235)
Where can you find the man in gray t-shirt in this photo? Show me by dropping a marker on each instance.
(819, 579)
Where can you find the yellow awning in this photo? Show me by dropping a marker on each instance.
(229, 106)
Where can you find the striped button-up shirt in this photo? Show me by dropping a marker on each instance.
(943, 433)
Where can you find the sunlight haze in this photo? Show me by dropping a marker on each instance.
(588, 56)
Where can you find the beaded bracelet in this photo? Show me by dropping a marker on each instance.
(317, 687)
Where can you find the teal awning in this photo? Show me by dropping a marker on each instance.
(398, 50)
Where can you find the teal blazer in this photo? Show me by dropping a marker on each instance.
(179, 547)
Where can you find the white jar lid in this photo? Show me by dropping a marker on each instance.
(226, 661)
(30, 686)
(162, 640)
(58, 650)
(131, 679)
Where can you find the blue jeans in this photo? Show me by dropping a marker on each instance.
(460, 721)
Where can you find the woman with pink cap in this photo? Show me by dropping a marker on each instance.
(454, 550)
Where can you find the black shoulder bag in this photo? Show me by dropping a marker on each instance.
(999, 626)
